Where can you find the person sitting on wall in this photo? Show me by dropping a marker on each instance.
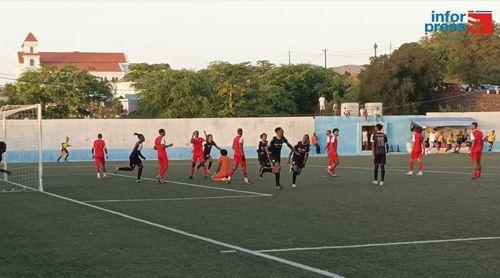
(347, 113)
(378, 115)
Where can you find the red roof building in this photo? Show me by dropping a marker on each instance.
(110, 66)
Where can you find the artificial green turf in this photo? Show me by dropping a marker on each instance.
(43, 236)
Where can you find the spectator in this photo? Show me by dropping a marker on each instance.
(440, 140)
(491, 140)
(378, 115)
(347, 113)
(321, 105)
(314, 142)
(364, 135)
(459, 140)
(449, 142)
(432, 139)
(361, 111)
(335, 109)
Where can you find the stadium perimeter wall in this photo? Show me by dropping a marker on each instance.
(119, 138)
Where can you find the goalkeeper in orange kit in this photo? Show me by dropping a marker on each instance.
(224, 168)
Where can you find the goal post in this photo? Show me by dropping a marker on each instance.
(23, 158)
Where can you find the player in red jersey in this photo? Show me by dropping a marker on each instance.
(160, 147)
(476, 149)
(331, 146)
(197, 142)
(98, 152)
(239, 157)
(417, 151)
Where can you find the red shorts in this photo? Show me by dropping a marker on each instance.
(99, 159)
(476, 155)
(198, 157)
(241, 160)
(416, 155)
(332, 158)
(163, 161)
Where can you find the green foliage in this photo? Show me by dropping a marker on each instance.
(401, 81)
(63, 93)
(474, 60)
(233, 90)
(174, 94)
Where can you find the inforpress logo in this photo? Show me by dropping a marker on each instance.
(480, 22)
(476, 22)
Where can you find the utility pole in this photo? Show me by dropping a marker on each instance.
(324, 51)
(375, 48)
(390, 48)
(289, 58)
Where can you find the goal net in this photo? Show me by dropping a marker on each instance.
(21, 132)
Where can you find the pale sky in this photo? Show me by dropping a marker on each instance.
(190, 34)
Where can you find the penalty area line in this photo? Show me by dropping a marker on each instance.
(174, 199)
(372, 244)
(200, 186)
(201, 238)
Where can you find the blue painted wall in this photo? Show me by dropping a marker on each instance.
(397, 129)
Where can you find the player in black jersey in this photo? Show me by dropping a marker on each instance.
(3, 149)
(207, 148)
(274, 150)
(265, 164)
(299, 156)
(135, 158)
(379, 148)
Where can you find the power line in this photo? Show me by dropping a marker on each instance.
(433, 100)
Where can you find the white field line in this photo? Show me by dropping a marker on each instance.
(405, 170)
(200, 186)
(173, 199)
(202, 238)
(372, 245)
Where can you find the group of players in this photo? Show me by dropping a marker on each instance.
(269, 155)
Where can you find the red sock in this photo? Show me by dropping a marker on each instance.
(411, 165)
(420, 166)
(192, 171)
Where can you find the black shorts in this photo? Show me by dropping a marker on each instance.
(275, 158)
(298, 160)
(135, 161)
(379, 159)
(264, 160)
(207, 157)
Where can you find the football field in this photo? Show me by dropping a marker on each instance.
(441, 224)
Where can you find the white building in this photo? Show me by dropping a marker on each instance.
(110, 66)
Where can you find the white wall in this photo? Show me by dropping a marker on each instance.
(118, 133)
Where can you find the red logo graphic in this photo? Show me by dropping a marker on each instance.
(480, 22)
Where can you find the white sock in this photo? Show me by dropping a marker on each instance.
(98, 175)
(246, 179)
(104, 175)
(229, 178)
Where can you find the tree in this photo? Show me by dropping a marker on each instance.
(175, 94)
(63, 93)
(231, 82)
(305, 83)
(401, 81)
(472, 59)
